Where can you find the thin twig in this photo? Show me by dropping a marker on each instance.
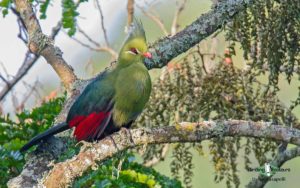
(202, 59)
(4, 80)
(130, 12)
(111, 51)
(14, 100)
(175, 25)
(82, 43)
(20, 106)
(22, 33)
(25, 67)
(156, 19)
(29, 60)
(158, 159)
(102, 22)
(41, 44)
(34, 88)
(88, 37)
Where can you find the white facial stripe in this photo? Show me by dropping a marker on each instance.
(138, 51)
(130, 52)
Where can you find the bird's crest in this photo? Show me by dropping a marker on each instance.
(136, 30)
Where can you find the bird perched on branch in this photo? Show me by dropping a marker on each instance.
(112, 100)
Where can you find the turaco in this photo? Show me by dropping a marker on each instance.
(112, 100)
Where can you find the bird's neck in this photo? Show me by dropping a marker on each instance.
(122, 63)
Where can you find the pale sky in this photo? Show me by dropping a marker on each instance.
(12, 49)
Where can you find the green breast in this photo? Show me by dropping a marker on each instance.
(132, 87)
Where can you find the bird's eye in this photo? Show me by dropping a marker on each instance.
(134, 51)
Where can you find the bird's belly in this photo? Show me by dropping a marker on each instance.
(131, 98)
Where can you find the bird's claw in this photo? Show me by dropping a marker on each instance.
(130, 135)
(113, 141)
(85, 145)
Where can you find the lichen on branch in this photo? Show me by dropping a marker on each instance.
(168, 48)
(64, 173)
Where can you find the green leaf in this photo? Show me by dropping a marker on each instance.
(15, 133)
(43, 9)
(132, 174)
(5, 4)
(69, 15)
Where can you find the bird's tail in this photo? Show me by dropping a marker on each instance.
(52, 131)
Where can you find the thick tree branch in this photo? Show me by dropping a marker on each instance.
(42, 45)
(278, 161)
(64, 173)
(170, 47)
(163, 50)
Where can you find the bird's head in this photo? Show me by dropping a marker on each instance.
(135, 47)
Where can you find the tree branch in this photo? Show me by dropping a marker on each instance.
(278, 161)
(29, 61)
(156, 19)
(102, 22)
(64, 173)
(163, 50)
(130, 12)
(157, 159)
(99, 48)
(178, 11)
(26, 65)
(170, 47)
(40, 44)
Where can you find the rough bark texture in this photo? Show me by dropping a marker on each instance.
(64, 173)
(167, 48)
(163, 50)
(41, 44)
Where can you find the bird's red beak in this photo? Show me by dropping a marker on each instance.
(147, 55)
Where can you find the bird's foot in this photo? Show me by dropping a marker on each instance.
(130, 135)
(84, 145)
(113, 141)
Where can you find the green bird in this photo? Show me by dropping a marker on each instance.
(112, 100)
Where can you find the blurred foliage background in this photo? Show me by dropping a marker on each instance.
(248, 70)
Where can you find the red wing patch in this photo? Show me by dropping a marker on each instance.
(90, 127)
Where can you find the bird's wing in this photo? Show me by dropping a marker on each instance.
(91, 112)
